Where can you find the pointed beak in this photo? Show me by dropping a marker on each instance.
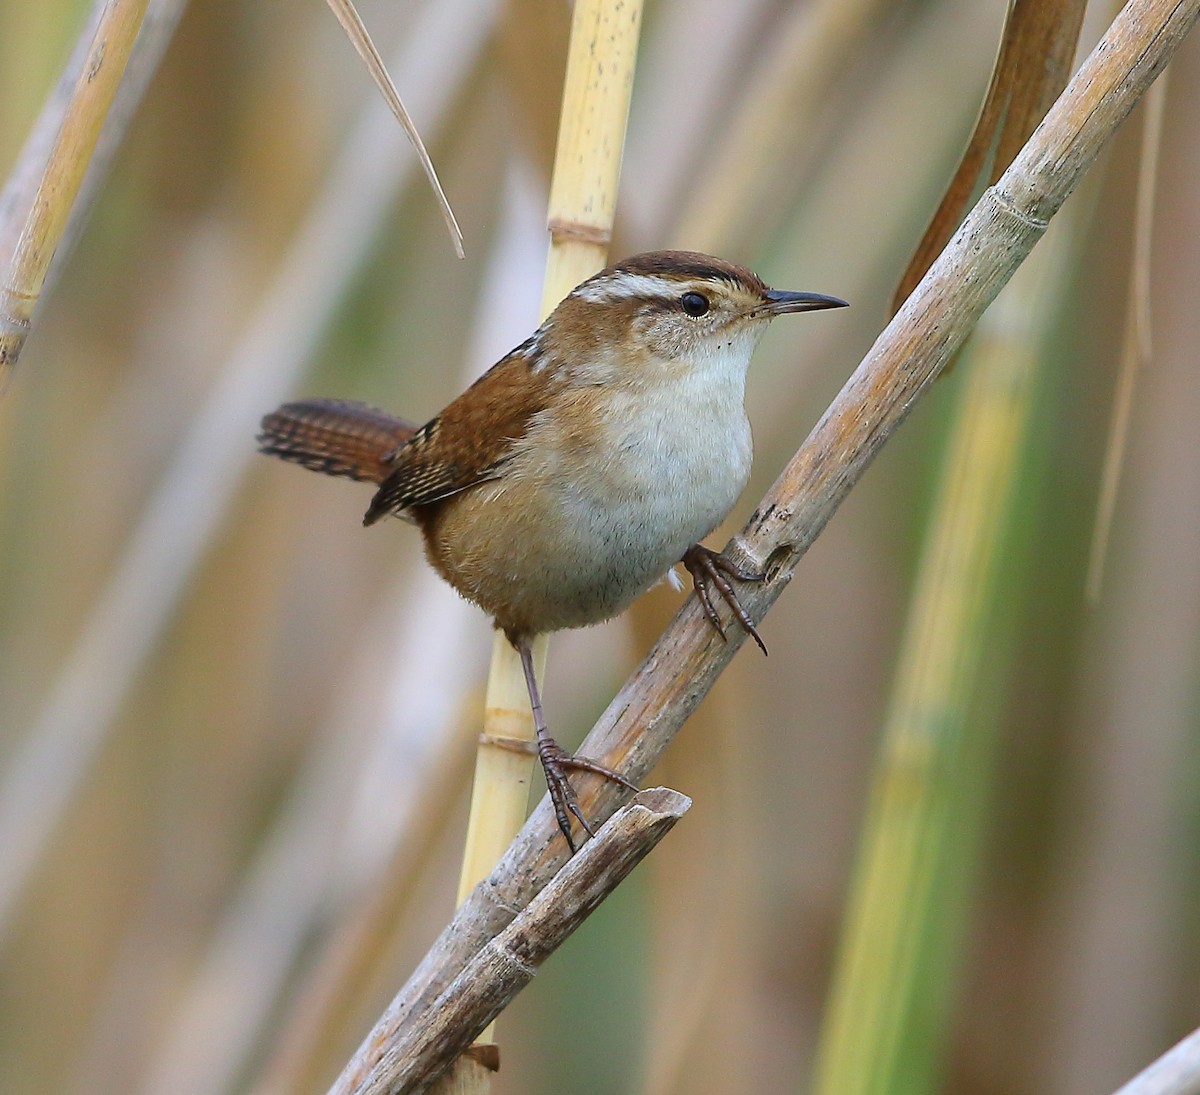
(780, 302)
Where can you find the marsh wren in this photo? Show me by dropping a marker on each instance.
(582, 466)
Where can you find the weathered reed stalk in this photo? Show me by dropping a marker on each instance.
(45, 219)
(903, 927)
(583, 199)
(158, 25)
(509, 961)
(993, 240)
(1176, 1072)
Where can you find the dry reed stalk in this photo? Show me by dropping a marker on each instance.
(583, 197)
(46, 216)
(190, 501)
(1176, 1072)
(158, 25)
(907, 357)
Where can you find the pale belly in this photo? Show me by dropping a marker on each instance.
(576, 546)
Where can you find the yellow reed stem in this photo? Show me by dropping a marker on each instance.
(583, 196)
(46, 218)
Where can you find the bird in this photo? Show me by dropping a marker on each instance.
(575, 472)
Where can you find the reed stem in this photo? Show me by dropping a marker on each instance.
(583, 197)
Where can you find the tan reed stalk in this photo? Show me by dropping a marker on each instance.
(45, 218)
(902, 929)
(175, 527)
(583, 198)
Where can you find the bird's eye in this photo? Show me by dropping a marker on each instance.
(695, 304)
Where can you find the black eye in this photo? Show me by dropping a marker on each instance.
(695, 304)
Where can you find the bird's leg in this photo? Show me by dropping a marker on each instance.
(709, 569)
(556, 759)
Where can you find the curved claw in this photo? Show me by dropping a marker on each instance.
(562, 795)
(710, 568)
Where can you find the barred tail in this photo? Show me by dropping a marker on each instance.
(335, 437)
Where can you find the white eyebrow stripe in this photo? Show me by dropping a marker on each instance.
(623, 286)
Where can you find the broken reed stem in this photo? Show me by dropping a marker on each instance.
(508, 963)
(907, 357)
(583, 199)
(46, 218)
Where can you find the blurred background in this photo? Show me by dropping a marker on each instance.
(236, 728)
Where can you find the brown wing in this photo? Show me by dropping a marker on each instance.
(470, 441)
(336, 437)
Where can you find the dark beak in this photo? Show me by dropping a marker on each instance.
(780, 302)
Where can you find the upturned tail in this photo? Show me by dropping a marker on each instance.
(335, 437)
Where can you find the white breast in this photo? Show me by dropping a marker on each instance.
(665, 468)
(614, 487)
(671, 466)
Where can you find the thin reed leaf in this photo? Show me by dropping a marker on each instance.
(1036, 50)
(352, 24)
(1137, 345)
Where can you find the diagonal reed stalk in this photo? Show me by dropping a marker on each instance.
(997, 235)
(26, 261)
(583, 198)
(183, 515)
(1176, 1072)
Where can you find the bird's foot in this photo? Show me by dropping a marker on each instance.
(711, 569)
(555, 760)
